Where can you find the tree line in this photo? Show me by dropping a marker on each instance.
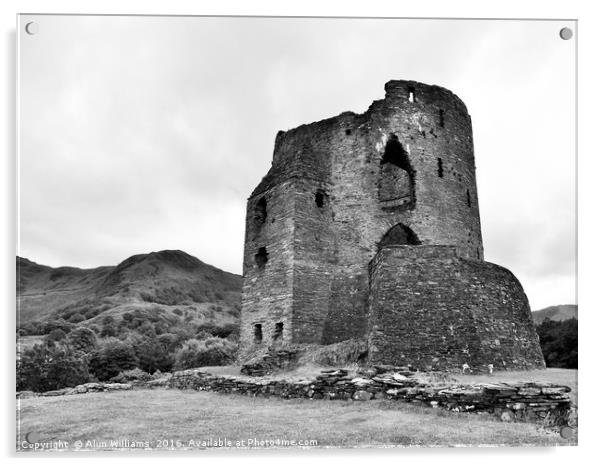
(558, 340)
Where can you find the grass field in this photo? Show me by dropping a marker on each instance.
(162, 418)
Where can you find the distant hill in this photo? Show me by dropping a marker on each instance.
(558, 313)
(163, 283)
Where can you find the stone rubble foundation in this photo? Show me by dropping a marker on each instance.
(539, 402)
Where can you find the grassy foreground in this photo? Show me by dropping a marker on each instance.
(173, 419)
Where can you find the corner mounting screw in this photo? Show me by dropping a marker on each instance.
(566, 33)
(31, 28)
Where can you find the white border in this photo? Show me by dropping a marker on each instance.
(589, 114)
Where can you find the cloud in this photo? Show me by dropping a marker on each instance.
(146, 133)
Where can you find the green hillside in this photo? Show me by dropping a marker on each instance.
(557, 313)
(169, 284)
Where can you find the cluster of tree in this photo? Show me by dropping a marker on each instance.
(147, 322)
(558, 340)
(66, 359)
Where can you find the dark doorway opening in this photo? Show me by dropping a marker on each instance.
(399, 235)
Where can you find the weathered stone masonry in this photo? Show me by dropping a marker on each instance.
(455, 311)
(343, 191)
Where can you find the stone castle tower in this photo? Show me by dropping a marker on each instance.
(367, 226)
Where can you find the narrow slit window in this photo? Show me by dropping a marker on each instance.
(411, 94)
(320, 198)
(278, 330)
(261, 211)
(442, 118)
(468, 198)
(439, 167)
(257, 333)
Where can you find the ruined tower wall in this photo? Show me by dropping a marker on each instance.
(315, 254)
(267, 293)
(327, 249)
(436, 131)
(433, 309)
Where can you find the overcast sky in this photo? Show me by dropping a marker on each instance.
(145, 133)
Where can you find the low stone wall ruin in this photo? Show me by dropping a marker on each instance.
(544, 403)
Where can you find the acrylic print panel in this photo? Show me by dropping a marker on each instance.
(309, 232)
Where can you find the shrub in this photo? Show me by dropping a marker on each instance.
(109, 329)
(31, 328)
(160, 328)
(82, 339)
(133, 375)
(169, 341)
(153, 356)
(76, 318)
(51, 325)
(112, 358)
(147, 329)
(56, 335)
(43, 368)
(210, 352)
(92, 312)
(108, 320)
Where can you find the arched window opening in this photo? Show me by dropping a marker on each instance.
(396, 187)
(411, 94)
(396, 154)
(399, 235)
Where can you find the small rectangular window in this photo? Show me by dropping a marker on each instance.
(320, 198)
(278, 329)
(258, 333)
